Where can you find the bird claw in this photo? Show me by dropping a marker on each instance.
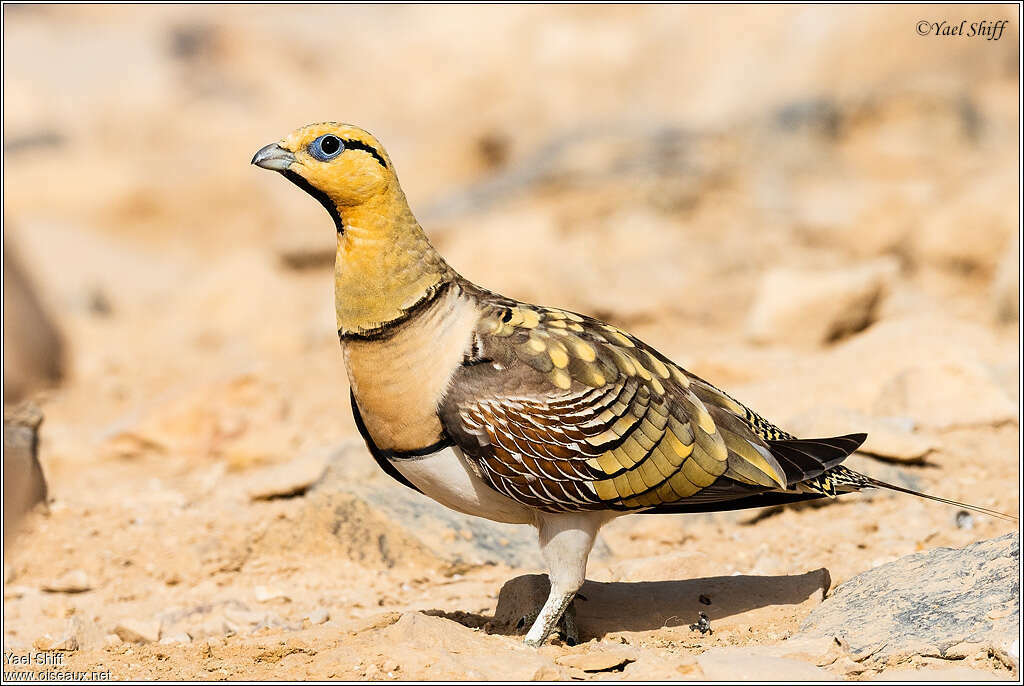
(568, 631)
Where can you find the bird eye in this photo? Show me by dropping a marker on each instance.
(326, 147)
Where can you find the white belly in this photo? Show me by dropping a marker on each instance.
(447, 477)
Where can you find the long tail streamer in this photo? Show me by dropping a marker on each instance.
(973, 508)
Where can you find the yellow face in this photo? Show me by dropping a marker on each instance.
(342, 162)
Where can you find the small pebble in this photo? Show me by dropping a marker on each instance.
(176, 638)
(75, 581)
(66, 642)
(964, 520)
(138, 631)
(318, 616)
(265, 594)
(247, 617)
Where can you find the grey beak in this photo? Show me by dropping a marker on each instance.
(274, 157)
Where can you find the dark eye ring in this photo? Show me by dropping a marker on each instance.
(326, 147)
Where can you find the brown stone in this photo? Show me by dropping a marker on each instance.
(33, 345)
(138, 631)
(24, 483)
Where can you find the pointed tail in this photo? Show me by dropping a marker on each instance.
(841, 477)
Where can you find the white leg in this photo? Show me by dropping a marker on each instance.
(565, 543)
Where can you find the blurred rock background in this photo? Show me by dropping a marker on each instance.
(814, 207)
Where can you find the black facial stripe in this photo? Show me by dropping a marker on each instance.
(359, 145)
(321, 197)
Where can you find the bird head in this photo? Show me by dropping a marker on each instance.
(384, 262)
(340, 165)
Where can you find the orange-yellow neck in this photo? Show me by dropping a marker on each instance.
(384, 264)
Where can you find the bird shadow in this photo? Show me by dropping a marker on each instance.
(608, 607)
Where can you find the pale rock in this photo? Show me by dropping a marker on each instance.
(598, 659)
(820, 651)
(847, 667)
(657, 665)
(286, 480)
(938, 674)
(67, 641)
(972, 229)
(139, 630)
(964, 650)
(266, 594)
(999, 613)
(931, 603)
(811, 307)
(736, 664)
(75, 581)
(450, 650)
(210, 627)
(1012, 649)
(946, 396)
(550, 673)
(15, 591)
(112, 640)
(174, 639)
(817, 650)
(213, 642)
(248, 618)
(373, 622)
(937, 371)
(422, 629)
(1006, 284)
(251, 452)
(318, 616)
(128, 445)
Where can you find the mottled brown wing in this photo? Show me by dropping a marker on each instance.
(566, 413)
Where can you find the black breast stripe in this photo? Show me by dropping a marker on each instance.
(379, 456)
(385, 329)
(383, 457)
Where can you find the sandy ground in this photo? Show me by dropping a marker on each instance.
(623, 163)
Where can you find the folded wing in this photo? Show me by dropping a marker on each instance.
(566, 413)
